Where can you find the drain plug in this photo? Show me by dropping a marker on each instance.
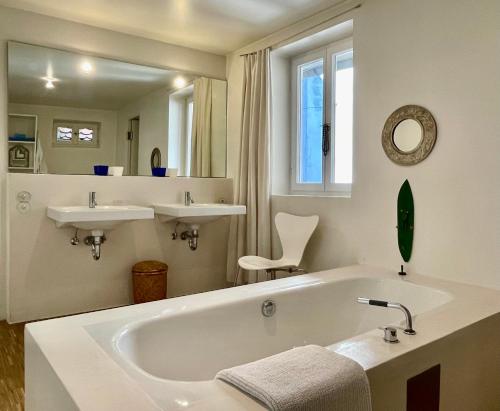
(268, 308)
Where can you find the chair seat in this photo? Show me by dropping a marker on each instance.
(253, 262)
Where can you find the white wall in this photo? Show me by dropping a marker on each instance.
(72, 160)
(47, 31)
(444, 56)
(50, 277)
(153, 129)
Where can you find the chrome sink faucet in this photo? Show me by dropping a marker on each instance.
(409, 324)
(188, 198)
(92, 201)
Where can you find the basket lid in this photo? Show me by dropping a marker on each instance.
(149, 267)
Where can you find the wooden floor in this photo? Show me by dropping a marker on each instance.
(11, 367)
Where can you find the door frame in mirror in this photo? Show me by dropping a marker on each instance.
(424, 148)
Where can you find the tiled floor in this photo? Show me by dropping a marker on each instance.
(11, 367)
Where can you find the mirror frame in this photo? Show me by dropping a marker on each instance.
(429, 130)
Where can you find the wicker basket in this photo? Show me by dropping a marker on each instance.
(150, 281)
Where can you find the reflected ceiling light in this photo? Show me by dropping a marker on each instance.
(49, 82)
(180, 82)
(86, 67)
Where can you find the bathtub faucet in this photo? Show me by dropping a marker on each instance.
(409, 325)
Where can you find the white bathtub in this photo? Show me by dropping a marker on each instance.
(168, 352)
(197, 343)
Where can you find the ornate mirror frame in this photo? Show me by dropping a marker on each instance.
(429, 131)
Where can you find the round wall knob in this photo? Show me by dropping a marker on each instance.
(24, 196)
(23, 207)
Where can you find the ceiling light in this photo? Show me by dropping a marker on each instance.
(180, 82)
(49, 82)
(86, 67)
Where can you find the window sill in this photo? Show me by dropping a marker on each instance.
(345, 195)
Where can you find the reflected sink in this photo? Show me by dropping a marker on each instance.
(197, 213)
(98, 218)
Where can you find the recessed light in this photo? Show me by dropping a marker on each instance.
(180, 82)
(49, 82)
(86, 67)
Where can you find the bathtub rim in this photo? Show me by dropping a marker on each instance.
(129, 328)
(470, 305)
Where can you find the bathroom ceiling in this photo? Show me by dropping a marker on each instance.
(218, 26)
(109, 84)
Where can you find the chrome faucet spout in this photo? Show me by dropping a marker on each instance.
(409, 323)
(92, 200)
(188, 198)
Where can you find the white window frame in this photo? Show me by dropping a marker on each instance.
(75, 141)
(327, 187)
(188, 128)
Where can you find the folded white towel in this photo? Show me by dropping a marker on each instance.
(309, 378)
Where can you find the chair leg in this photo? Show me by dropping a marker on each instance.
(271, 274)
(237, 277)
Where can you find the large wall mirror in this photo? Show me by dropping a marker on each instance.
(69, 112)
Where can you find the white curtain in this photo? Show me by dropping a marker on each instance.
(251, 234)
(201, 134)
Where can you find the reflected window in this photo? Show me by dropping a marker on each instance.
(189, 132)
(76, 133)
(85, 134)
(64, 134)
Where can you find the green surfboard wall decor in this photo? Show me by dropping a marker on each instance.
(406, 218)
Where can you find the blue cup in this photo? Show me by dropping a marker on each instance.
(101, 170)
(159, 171)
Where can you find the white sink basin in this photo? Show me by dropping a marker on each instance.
(196, 213)
(98, 218)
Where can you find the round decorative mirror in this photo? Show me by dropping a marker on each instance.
(409, 135)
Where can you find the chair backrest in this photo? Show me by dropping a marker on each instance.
(294, 233)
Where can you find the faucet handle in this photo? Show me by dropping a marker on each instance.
(390, 334)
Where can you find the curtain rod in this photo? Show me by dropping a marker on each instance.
(306, 30)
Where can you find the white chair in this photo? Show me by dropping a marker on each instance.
(294, 233)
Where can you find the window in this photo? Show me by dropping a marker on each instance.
(322, 120)
(189, 132)
(76, 133)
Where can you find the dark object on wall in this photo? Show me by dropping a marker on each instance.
(150, 281)
(155, 158)
(409, 135)
(422, 391)
(406, 216)
(19, 156)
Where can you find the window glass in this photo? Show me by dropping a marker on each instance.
(85, 134)
(64, 134)
(189, 131)
(342, 159)
(310, 122)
